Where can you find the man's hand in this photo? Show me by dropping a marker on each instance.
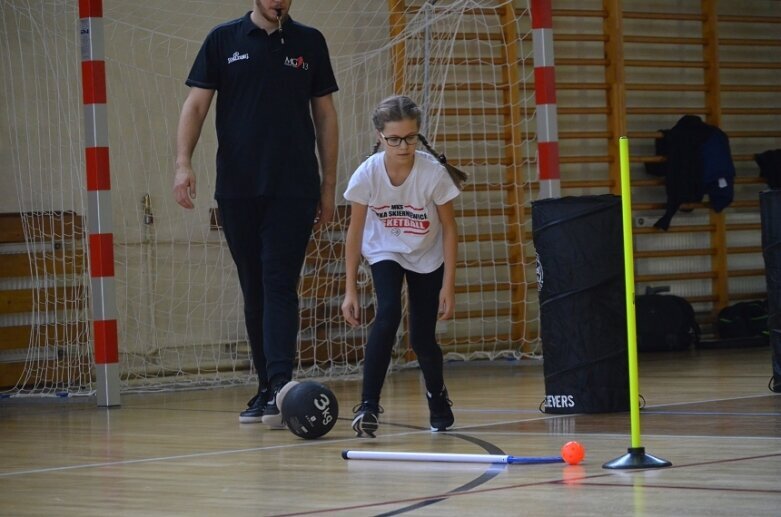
(184, 186)
(326, 207)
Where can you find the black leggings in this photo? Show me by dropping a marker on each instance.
(423, 297)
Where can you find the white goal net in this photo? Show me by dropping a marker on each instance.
(468, 63)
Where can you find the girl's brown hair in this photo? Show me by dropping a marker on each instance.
(401, 107)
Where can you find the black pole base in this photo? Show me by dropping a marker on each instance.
(636, 458)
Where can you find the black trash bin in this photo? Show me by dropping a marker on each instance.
(580, 271)
(770, 208)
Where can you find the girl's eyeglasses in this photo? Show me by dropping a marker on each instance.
(395, 141)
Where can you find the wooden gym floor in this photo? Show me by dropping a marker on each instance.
(708, 412)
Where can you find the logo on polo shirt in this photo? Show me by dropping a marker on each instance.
(237, 57)
(296, 62)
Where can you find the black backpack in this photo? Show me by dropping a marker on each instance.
(665, 322)
(743, 320)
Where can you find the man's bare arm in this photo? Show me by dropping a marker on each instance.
(327, 131)
(194, 111)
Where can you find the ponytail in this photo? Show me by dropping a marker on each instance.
(457, 175)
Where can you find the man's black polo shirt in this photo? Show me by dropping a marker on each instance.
(265, 134)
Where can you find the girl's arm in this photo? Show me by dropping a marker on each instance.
(351, 307)
(447, 296)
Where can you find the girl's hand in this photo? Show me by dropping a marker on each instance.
(351, 310)
(447, 303)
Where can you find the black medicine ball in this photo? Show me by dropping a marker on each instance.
(309, 409)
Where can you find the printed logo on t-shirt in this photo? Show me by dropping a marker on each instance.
(296, 62)
(237, 57)
(403, 219)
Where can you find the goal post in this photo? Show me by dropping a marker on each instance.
(99, 216)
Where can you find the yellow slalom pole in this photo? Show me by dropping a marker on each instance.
(636, 457)
(629, 279)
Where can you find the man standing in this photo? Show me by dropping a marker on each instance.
(274, 81)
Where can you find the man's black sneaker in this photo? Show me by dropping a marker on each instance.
(272, 416)
(366, 420)
(255, 407)
(441, 416)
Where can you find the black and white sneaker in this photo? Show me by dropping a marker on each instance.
(255, 407)
(773, 385)
(441, 416)
(272, 416)
(366, 420)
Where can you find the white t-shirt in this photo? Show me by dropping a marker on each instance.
(402, 223)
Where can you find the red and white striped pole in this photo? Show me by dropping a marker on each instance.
(545, 97)
(99, 217)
